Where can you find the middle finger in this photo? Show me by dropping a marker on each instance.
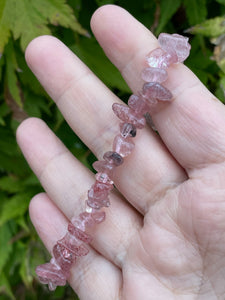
(86, 105)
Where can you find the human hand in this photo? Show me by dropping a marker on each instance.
(163, 237)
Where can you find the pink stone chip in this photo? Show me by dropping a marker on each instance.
(126, 114)
(51, 275)
(138, 104)
(104, 178)
(158, 58)
(123, 146)
(63, 257)
(154, 90)
(74, 245)
(92, 218)
(79, 234)
(97, 204)
(103, 166)
(87, 219)
(98, 195)
(127, 130)
(175, 43)
(98, 216)
(154, 75)
(113, 158)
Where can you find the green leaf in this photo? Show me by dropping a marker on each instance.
(76, 5)
(23, 20)
(211, 28)
(5, 236)
(11, 184)
(8, 142)
(167, 10)
(221, 2)
(34, 105)
(5, 286)
(57, 12)
(104, 2)
(91, 53)
(26, 77)
(4, 24)
(2, 63)
(14, 207)
(31, 180)
(28, 23)
(196, 11)
(25, 270)
(27, 19)
(32, 257)
(11, 77)
(4, 111)
(15, 164)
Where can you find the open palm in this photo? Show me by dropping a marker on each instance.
(164, 235)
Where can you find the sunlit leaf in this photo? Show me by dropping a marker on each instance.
(4, 24)
(57, 12)
(211, 28)
(27, 19)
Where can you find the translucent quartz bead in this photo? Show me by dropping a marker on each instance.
(103, 166)
(104, 178)
(63, 257)
(123, 146)
(79, 234)
(98, 216)
(87, 219)
(127, 130)
(175, 43)
(126, 114)
(93, 218)
(73, 244)
(138, 104)
(154, 90)
(98, 204)
(113, 158)
(158, 58)
(154, 75)
(50, 274)
(98, 195)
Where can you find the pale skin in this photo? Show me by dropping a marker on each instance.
(164, 234)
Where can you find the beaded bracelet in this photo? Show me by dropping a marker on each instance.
(173, 49)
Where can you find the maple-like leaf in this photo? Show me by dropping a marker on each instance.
(27, 19)
(57, 12)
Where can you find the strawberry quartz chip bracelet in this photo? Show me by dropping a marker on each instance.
(173, 49)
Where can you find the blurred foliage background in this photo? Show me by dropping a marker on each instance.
(21, 96)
